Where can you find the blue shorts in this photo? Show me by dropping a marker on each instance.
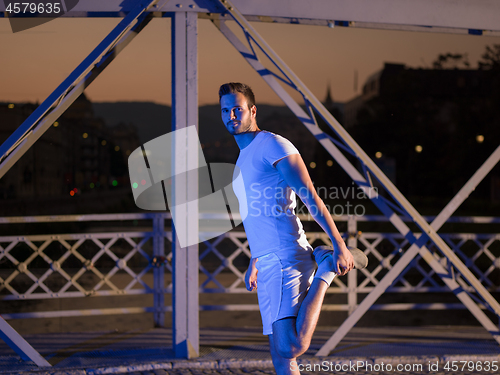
(282, 283)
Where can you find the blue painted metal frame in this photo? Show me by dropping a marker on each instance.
(446, 16)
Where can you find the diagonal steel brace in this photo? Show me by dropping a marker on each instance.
(20, 345)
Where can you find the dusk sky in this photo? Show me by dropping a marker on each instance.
(34, 62)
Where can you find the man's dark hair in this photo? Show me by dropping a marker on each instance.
(234, 87)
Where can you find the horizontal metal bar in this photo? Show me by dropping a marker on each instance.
(422, 14)
(229, 307)
(332, 290)
(332, 23)
(406, 290)
(75, 236)
(326, 307)
(105, 293)
(78, 218)
(344, 307)
(421, 306)
(167, 215)
(222, 290)
(247, 307)
(71, 313)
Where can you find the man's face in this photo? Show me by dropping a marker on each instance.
(235, 114)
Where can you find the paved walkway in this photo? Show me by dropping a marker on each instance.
(394, 350)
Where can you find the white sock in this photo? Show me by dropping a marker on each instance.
(324, 271)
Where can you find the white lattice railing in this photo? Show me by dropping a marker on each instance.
(127, 260)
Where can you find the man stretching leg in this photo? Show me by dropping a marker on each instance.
(290, 292)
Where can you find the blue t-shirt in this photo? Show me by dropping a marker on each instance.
(267, 203)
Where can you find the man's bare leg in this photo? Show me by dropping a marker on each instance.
(292, 336)
(282, 365)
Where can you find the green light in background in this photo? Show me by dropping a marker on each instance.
(135, 185)
(92, 185)
(115, 183)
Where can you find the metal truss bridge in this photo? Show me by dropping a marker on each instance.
(478, 17)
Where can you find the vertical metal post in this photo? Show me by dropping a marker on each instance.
(185, 186)
(352, 276)
(159, 270)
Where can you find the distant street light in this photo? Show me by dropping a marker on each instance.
(418, 148)
(480, 138)
(378, 154)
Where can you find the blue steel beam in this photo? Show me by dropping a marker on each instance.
(479, 16)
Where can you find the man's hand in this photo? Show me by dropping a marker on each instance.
(251, 276)
(343, 260)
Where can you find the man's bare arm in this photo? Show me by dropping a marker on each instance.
(294, 172)
(251, 276)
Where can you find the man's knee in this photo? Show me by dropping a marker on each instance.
(287, 344)
(291, 350)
